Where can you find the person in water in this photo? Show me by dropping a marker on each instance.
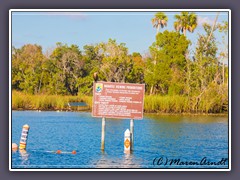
(14, 147)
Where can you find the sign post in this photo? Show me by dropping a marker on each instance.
(118, 100)
(103, 134)
(132, 132)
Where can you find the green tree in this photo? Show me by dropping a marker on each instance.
(168, 75)
(205, 67)
(93, 61)
(115, 61)
(136, 74)
(185, 22)
(27, 68)
(223, 28)
(206, 60)
(159, 20)
(68, 66)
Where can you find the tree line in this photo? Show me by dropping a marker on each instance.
(169, 69)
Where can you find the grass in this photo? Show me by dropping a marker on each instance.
(166, 104)
(210, 103)
(47, 102)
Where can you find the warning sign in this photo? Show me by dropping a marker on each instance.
(118, 100)
(127, 143)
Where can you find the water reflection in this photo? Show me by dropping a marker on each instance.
(181, 135)
(24, 156)
(129, 161)
(163, 135)
(199, 119)
(124, 161)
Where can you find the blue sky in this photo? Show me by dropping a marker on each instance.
(84, 28)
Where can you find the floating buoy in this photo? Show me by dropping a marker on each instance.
(23, 140)
(14, 147)
(74, 152)
(62, 152)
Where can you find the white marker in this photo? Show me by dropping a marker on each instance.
(127, 142)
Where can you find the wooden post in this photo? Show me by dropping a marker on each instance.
(103, 134)
(132, 132)
(127, 141)
(23, 140)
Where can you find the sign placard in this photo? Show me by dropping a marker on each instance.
(118, 100)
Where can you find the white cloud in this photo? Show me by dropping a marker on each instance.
(72, 15)
(202, 20)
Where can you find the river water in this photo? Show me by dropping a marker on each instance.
(160, 141)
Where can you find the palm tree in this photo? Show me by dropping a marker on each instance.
(160, 19)
(185, 22)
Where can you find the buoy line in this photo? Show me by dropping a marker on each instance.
(23, 143)
(61, 152)
(53, 152)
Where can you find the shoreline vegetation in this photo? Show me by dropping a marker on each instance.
(154, 104)
(179, 78)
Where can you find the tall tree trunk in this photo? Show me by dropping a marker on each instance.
(188, 78)
(223, 71)
(202, 78)
(158, 27)
(40, 83)
(154, 89)
(213, 26)
(151, 90)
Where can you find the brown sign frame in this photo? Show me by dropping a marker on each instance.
(119, 95)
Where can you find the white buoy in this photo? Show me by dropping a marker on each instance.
(127, 142)
(23, 140)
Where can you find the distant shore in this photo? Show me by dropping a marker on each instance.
(145, 113)
(152, 104)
